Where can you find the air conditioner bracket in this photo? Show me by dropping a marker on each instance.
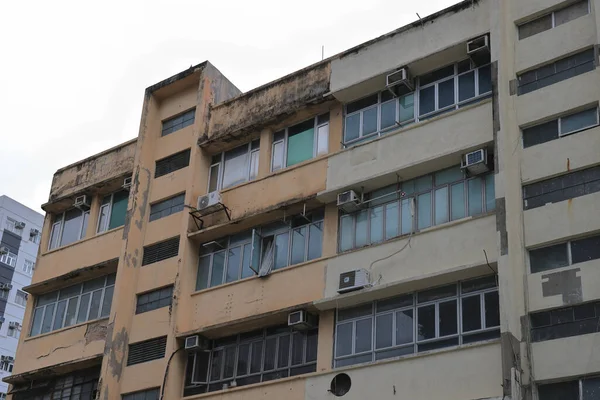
(199, 214)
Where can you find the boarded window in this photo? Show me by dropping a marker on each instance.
(161, 251)
(148, 350)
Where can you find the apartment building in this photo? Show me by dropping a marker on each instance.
(19, 242)
(416, 217)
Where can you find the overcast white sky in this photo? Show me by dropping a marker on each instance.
(73, 73)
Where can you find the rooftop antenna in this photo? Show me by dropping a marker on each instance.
(420, 19)
(322, 52)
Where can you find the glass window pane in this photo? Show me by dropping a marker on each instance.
(392, 211)
(361, 228)
(47, 323)
(578, 121)
(423, 183)
(363, 339)
(95, 305)
(270, 353)
(343, 339)
(107, 302)
(54, 235)
(383, 330)
(229, 362)
(466, 86)
(536, 26)
(407, 107)
(86, 219)
(346, 232)
(540, 133)
(256, 360)
(277, 161)
(71, 312)
(297, 348)
(448, 318)
(36, 325)
(571, 12)
(384, 195)
(427, 100)
(235, 168)
(323, 139)
(471, 313)
(424, 210)
(216, 364)
(437, 293)
(213, 180)
(119, 209)
(103, 218)
(203, 270)
(315, 242)
(300, 146)
(283, 352)
(243, 361)
(376, 224)
(404, 327)
(492, 309)
(254, 164)
(218, 265)
(448, 176)
(446, 93)
(407, 215)
(60, 315)
(490, 193)
(485, 80)
(82, 314)
(441, 205)
(298, 245)
(369, 124)
(312, 341)
(233, 263)
(426, 324)
(71, 226)
(281, 250)
(475, 196)
(587, 249)
(591, 386)
(458, 201)
(388, 114)
(352, 130)
(247, 261)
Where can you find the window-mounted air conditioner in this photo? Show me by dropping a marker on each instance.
(353, 280)
(33, 232)
(475, 162)
(82, 202)
(7, 358)
(196, 342)
(478, 50)
(127, 183)
(13, 325)
(3, 250)
(399, 82)
(19, 225)
(301, 320)
(349, 201)
(209, 203)
(6, 286)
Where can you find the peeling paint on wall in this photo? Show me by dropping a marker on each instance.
(564, 283)
(501, 225)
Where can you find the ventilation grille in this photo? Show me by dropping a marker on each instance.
(149, 350)
(161, 251)
(172, 163)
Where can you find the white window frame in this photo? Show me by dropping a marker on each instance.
(221, 167)
(36, 237)
(21, 294)
(560, 132)
(60, 225)
(11, 225)
(284, 141)
(13, 332)
(9, 258)
(28, 267)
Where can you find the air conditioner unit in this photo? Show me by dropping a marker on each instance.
(353, 280)
(399, 82)
(209, 203)
(475, 162)
(19, 225)
(33, 232)
(127, 182)
(13, 325)
(3, 250)
(6, 286)
(82, 202)
(349, 201)
(196, 342)
(479, 50)
(301, 320)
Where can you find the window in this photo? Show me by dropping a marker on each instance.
(28, 267)
(167, 207)
(21, 298)
(563, 126)
(9, 258)
(73, 305)
(14, 330)
(251, 357)
(35, 236)
(153, 300)
(161, 251)
(7, 364)
(14, 226)
(586, 388)
(564, 254)
(4, 292)
(151, 394)
(179, 122)
(445, 316)
(234, 166)
(567, 186)
(557, 71)
(147, 350)
(269, 247)
(68, 227)
(112, 211)
(417, 204)
(565, 322)
(300, 142)
(80, 385)
(554, 19)
(172, 163)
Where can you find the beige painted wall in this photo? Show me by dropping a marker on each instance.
(567, 357)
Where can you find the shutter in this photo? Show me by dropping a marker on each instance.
(148, 350)
(161, 251)
(172, 163)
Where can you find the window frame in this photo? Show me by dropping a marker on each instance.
(560, 133)
(552, 15)
(220, 166)
(183, 124)
(60, 225)
(159, 290)
(569, 253)
(9, 259)
(285, 141)
(23, 295)
(170, 208)
(28, 267)
(109, 205)
(11, 226)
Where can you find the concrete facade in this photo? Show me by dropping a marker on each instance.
(462, 300)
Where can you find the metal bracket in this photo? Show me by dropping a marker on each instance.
(197, 215)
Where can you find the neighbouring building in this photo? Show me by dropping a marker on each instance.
(417, 217)
(21, 232)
